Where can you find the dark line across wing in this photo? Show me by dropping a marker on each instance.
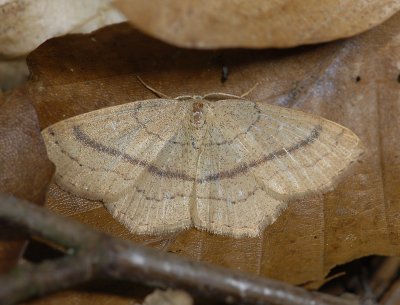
(86, 140)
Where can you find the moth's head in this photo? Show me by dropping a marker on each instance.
(197, 118)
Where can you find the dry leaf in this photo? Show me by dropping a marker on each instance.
(353, 82)
(98, 293)
(254, 24)
(25, 170)
(26, 24)
(168, 297)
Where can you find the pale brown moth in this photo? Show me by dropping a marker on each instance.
(220, 163)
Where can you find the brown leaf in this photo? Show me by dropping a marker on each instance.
(254, 24)
(98, 293)
(40, 20)
(25, 170)
(168, 297)
(353, 82)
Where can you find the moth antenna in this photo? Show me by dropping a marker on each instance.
(250, 90)
(220, 94)
(158, 93)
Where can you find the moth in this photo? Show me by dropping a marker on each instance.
(217, 162)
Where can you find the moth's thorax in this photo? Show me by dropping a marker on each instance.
(198, 114)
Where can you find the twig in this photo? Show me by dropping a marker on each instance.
(93, 254)
(28, 281)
